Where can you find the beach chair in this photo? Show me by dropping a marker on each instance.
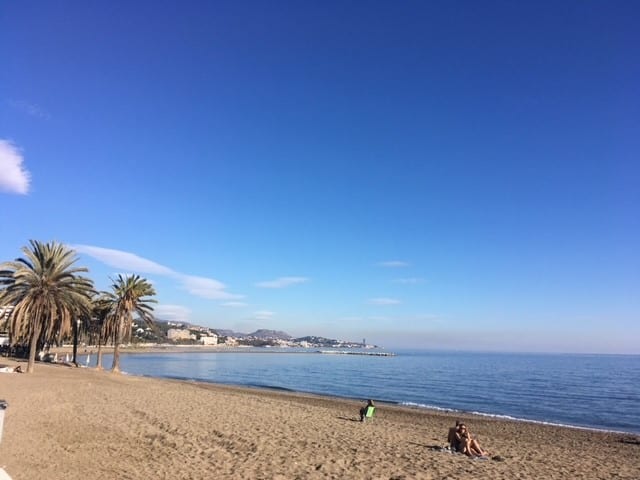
(369, 413)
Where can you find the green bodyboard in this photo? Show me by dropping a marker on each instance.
(370, 412)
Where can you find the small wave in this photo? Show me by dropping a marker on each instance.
(425, 406)
(507, 417)
(542, 422)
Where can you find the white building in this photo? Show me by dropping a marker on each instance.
(211, 339)
(4, 317)
(179, 334)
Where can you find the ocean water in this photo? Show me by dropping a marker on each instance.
(592, 391)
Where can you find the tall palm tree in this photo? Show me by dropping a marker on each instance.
(131, 295)
(103, 306)
(46, 292)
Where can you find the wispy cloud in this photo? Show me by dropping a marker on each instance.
(263, 315)
(14, 178)
(384, 301)
(393, 264)
(172, 313)
(282, 282)
(408, 281)
(233, 304)
(206, 287)
(203, 287)
(123, 260)
(30, 109)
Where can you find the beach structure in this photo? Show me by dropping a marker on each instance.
(3, 406)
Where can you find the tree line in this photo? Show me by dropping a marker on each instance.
(48, 293)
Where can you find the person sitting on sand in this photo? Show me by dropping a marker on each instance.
(453, 437)
(467, 444)
(363, 410)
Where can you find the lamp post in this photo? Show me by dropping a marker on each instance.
(76, 327)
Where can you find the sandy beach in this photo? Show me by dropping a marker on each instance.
(79, 423)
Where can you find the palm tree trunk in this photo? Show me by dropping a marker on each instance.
(99, 359)
(115, 366)
(33, 346)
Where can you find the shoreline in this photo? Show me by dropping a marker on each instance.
(173, 349)
(191, 349)
(419, 408)
(73, 423)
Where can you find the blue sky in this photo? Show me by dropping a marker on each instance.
(431, 174)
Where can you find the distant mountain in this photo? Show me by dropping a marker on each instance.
(317, 340)
(270, 334)
(260, 338)
(262, 334)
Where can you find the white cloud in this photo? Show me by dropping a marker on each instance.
(30, 109)
(408, 281)
(263, 315)
(203, 287)
(206, 287)
(14, 178)
(282, 282)
(393, 264)
(173, 313)
(123, 260)
(383, 301)
(233, 304)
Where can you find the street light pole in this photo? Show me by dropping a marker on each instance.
(76, 327)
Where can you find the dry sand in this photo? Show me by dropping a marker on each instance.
(76, 423)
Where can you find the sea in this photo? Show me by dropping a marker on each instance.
(599, 392)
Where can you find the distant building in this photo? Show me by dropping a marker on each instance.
(179, 334)
(229, 341)
(4, 317)
(211, 339)
(5, 312)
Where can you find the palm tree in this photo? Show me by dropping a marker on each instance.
(102, 310)
(130, 295)
(46, 292)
